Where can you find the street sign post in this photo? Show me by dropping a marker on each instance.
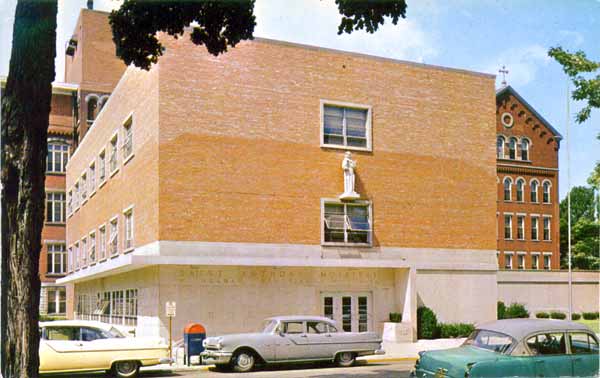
(171, 311)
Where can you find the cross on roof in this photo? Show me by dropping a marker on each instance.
(503, 71)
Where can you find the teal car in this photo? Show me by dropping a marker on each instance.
(517, 348)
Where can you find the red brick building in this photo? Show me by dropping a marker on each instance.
(528, 203)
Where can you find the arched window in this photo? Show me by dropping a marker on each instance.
(520, 189)
(500, 147)
(546, 191)
(524, 149)
(512, 148)
(534, 190)
(92, 106)
(507, 188)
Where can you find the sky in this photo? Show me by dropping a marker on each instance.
(479, 35)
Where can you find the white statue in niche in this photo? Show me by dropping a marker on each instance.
(348, 165)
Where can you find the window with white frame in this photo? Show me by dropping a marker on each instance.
(102, 242)
(70, 202)
(130, 310)
(56, 299)
(508, 257)
(547, 221)
(508, 226)
(102, 166)
(521, 227)
(347, 223)
(116, 306)
(128, 138)
(70, 257)
(524, 149)
(534, 228)
(113, 244)
(535, 261)
(92, 247)
(92, 177)
(76, 257)
(55, 207)
(512, 148)
(83, 187)
(547, 261)
(114, 149)
(56, 258)
(84, 252)
(346, 126)
(534, 190)
(546, 192)
(500, 147)
(76, 196)
(58, 156)
(507, 188)
(128, 242)
(520, 189)
(521, 261)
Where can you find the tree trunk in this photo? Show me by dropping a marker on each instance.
(25, 113)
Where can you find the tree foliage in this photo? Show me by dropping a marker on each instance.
(586, 89)
(218, 24)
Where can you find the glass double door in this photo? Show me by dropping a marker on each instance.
(351, 310)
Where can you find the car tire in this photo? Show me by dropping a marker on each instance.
(345, 359)
(125, 369)
(243, 361)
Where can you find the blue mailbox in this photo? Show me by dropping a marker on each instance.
(193, 335)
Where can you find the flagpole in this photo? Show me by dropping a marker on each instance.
(569, 207)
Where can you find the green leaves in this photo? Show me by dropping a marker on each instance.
(574, 64)
(368, 14)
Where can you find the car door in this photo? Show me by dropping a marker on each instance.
(549, 351)
(320, 340)
(584, 354)
(293, 342)
(60, 349)
(95, 349)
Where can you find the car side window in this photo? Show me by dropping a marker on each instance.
(316, 327)
(332, 329)
(63, 333)
(547, 343)
(91, 334)
(583, 343)
(292, 328)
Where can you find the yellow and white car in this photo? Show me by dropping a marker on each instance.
(80, 345)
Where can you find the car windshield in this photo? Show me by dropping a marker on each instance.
(269, 325)
(490, 340)
(115, 333)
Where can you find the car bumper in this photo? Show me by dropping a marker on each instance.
(214, 357)
(166, 360)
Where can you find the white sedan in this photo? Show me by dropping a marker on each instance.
(79, 345)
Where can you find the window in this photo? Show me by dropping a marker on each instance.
(71, 259)
(520, 189)
(114, 236)
(328, 307)
(346, 126)
(535, 261)
(57, 259)
(130, 310)
(520, 227)
(116, 306)
(547, 343)
(56, 300)
(92, 247)
(500, 147)
(534, 190)
(92, 178)
(547, 261)
(128, 243)
(512, 148)
(102, 242)
(547, 221)
(76, 257)
(507, 188)
(127, 139)
(70, 202)
(113, 153)
(362, 314)
(92, 106)
(102, 166)
(347, 314)
(347, 223)
(83, 188)
(521, 261)
(546, 192)
(534, 228)
(316, 327)
(63, 333)
(507, 226)
(583, 343)
(524, 149)
(490, 340)
(76, 196)
(508, 260)
(58, 156)
(293, 328)
(84, 252)
(55, 207)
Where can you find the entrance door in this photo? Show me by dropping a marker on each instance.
(351, 310)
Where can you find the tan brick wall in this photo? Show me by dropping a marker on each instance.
(136, 182)
(240, 159)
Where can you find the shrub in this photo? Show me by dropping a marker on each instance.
(453, 330)
(557, 315)
(395, 317)
(516, 310)
(542, 315)
(47, 318)
(427, 325)
(590, 315)
(501, 310)
(575, 316)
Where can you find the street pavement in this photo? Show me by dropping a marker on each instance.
(400, 369)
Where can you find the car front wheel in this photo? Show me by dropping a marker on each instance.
(345, 359)
(126, 369)
(243, 361)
